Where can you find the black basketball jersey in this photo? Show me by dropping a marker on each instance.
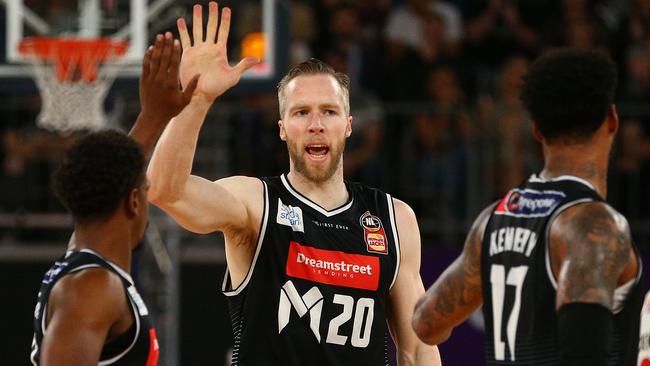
(317, 289)
(519, 288)
(137, 347)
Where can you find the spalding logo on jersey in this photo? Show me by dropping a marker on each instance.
(529, 203)
(290, 216)
(333, 267)
(373, 233)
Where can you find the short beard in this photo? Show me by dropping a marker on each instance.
(312, 174)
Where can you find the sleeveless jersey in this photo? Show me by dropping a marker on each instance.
(317, 289)
(519, 288)
(137, 347)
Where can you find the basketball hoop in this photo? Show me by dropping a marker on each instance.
(72, 79)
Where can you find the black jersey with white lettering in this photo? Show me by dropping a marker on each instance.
(519, 288)
(316, 292)
(137, 347)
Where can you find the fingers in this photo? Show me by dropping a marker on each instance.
(155, 55)
(246, 64)
(189, 89)
(197, 24)
(145, 63)
(168, 45)
(175, 61)
(186, 42)
(224, 27)
(213, 20)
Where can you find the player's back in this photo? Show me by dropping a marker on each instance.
(137, 346)
(519, 287)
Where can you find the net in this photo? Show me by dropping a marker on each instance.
(73, 78)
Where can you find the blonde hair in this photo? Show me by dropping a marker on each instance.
(314, 66)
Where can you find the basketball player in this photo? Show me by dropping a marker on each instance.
(552, 263)
(88, 309)
(316, 265)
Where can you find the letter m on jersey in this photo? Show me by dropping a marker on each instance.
(311, 302)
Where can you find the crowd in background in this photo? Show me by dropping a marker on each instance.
(434, 96)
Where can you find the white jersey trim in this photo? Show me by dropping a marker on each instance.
(117, 268)
(136, 315)
(537, 179)
(310, 203)
(620, 293)
(260, 240)
(391, 214)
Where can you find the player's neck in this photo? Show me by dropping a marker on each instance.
(329, 194)
(586, 161)
(106, 237)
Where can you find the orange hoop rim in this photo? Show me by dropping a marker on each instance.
(73, 58)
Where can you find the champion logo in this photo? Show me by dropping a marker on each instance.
(333, 267)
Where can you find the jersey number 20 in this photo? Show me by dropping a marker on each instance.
(499, 280)
(312, 303)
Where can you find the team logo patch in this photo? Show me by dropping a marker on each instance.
(529, 203)
(290, 216)
(333, 267)
(373, 233)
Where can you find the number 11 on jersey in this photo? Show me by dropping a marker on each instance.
(516, 277)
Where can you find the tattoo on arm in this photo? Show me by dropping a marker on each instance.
(598, 244)
(457, 292)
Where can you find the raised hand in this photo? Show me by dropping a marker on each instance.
(161, 97)
(207, 56)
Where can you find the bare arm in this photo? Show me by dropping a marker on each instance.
(196, 203)
(161, 97)
(407, 288)
(83, 308)
(456, 294)
(591, 246)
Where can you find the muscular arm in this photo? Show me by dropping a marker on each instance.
(591, 249)
(407, 288)
(196, 203)
(456, 294)
(590, 244)
(83, 308)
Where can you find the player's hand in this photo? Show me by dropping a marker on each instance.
(161, 97)
(207, 56)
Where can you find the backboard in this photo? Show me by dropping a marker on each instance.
(254, 29)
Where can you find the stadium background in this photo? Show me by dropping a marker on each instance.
(437, 123)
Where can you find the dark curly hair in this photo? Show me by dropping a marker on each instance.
(98, 171)
(568, 93)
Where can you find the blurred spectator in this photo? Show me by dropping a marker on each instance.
(637, 83)
(496, 29)
(631, 173)
(363, 158)
(406, 22)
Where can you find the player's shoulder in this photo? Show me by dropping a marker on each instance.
(591, 217)
(91, 289)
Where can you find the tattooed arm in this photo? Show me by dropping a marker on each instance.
(591, 254)
(457, 292)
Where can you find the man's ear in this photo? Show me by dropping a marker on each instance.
(132, 204)
(612, 119)
(348, 128)
(537, 134)
(283, 133)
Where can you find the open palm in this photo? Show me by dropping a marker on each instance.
(208, 57)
